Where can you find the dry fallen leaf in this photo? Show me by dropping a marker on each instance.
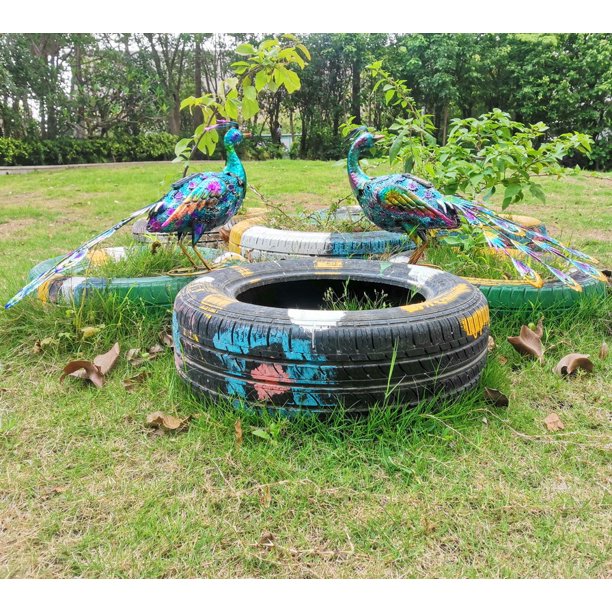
(496, 397)
(84, 369)
(131, 383)
(490, 344)
(553, 422)
(107, 360)
(93, 371)
(266, 541)
(265, 496)
(166, 339)
(166, 422)
(603, 350)
(503, 360)
(528, 342)
(155, 351)
(238, 432)
(570, 363)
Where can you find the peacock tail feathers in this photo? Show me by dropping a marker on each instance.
(73, 258)
(508, 237)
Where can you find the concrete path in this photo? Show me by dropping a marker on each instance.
(26, 169)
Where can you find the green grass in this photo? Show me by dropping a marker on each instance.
(141, 261)
(447, 490)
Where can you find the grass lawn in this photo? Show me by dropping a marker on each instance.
(459, 490)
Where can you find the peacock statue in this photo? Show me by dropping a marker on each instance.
(195, 204)
(406, 203)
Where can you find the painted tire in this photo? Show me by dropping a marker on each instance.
(510, 295)
(231, 342)
(152, 290)
(505, 295)
(257, 242)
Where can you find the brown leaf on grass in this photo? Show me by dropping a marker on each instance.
(570, 363)
(528, 342)
(490, 344)
(154, 246)
(155, 351)
(136, 357)
(608, 275)
(238, 432)
(40, 345)
(129, 384)
(503, 360)
(167, 422)
(496, 397)
(52, 491)
(166, 339)
(553, 422)
(107, 360)
(603, 350)
(81, 368)
(265, 496)
(93, 371)
(266, 541)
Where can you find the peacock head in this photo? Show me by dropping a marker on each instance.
(234, 137)
(364, 140)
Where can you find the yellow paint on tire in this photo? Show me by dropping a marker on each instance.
(475, 323)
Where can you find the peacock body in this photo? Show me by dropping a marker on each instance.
(205, 200)
(195, 204)
(406, 203)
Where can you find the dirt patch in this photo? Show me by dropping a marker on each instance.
(12, 228)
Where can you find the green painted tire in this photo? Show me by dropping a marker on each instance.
(512, 295)
(151, 290)
(553, 295)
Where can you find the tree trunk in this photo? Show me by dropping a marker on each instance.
(445, 112)
(356, 92)
(174, 117)
(197, 112)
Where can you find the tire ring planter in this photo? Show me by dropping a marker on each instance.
(253, 333)
(256, 242)
(152, 290)
(513, 295)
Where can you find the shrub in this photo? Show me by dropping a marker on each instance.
(144, 147)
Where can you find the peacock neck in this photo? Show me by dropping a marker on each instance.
(233, 164)
(357, 177)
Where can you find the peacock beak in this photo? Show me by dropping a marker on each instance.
(378, 137)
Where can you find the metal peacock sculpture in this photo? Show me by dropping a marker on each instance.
(195, 204)
(406, 203)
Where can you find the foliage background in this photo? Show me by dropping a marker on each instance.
(114, 91)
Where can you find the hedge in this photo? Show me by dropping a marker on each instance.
(147, 147)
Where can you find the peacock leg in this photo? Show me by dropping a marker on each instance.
(186, 253)
(201, 258)
(418, 252)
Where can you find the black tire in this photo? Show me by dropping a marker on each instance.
(291, 358)
(256, 242)
(151, 290)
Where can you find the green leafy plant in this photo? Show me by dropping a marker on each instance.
(481, 156)
(269, 67)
